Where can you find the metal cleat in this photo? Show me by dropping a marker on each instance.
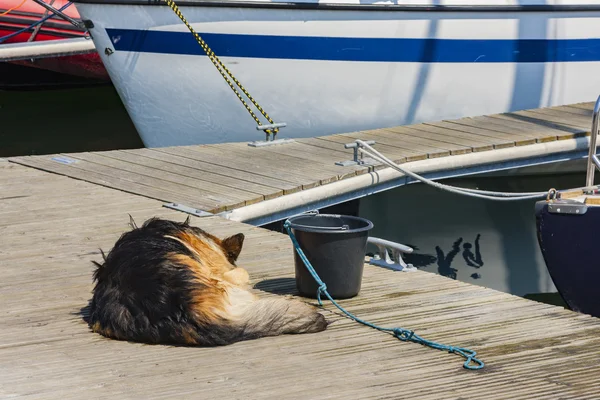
(366, 161)
(273, 141)
(382, 259)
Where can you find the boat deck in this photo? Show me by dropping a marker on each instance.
(224, 177)
(52, 227)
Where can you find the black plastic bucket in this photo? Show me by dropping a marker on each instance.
(336, 246)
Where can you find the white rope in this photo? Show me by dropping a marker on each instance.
(482, 194)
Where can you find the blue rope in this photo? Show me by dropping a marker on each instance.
(400, 333)
(4, 38)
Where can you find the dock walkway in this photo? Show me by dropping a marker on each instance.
(224, 177)
(52, 227)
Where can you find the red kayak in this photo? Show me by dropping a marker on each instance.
(16, 15)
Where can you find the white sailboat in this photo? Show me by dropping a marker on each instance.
(340, 66)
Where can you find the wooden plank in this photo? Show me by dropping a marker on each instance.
(341, 152)
(202, 167)
(110, 181)
(551, 118)
(573, 118)
(164, 179)
(568, 132)
(386, 138)
(524, 135)
(481, 140)
(584, 106)
(386, 143)
(151, 181)
(236, 164)
(404, 133)
(574, 110)
(317, 156)
(323, 173)
(393, 153)
(267, 192)
(499, 131)
(346, 154)
(553, 131)
(543, 134)
(442, 135)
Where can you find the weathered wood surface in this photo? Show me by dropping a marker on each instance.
(52, 226)
(222, 177)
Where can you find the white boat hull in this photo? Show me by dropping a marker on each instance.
(334, 70)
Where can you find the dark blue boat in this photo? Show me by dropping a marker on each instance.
(567, 227)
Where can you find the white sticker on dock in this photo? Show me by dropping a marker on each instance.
(64, 160)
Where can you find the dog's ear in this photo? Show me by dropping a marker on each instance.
(233, 246)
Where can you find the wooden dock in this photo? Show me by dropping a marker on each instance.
(223, 177)
(52, 227)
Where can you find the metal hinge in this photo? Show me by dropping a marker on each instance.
(189, 210)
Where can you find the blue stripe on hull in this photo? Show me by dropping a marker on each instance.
(360, 49)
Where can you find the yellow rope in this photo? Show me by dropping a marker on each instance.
(221, 67)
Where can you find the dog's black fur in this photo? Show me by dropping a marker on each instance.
(153, 287)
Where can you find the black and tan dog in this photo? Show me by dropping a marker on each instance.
(170, 282)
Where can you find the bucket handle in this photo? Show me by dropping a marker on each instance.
(343, 227)
(325, 228)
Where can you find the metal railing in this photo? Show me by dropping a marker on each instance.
(593, 162)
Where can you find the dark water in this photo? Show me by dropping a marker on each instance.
(94, 119)
(65, 120)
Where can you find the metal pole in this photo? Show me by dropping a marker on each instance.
(46, 48)
(37, 28)
(60, 14)
(591, 168)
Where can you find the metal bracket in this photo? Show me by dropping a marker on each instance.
(382, 259)
(567, 206)
(189, 210)
(272, 141)
(356, 159)
(263, 143)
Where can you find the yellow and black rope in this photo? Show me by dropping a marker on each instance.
(221, 68)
